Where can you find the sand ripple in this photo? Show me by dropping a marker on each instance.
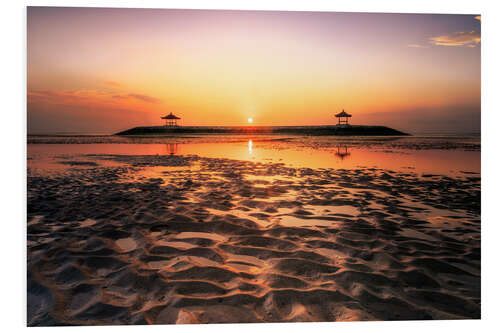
(232, 241)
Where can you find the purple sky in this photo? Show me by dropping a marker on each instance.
(106, 70)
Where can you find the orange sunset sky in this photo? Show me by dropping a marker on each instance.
(106, 70)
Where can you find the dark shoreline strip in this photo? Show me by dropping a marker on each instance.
(358, 130)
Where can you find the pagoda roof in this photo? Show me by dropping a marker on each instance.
(170, 116)
(343, 114)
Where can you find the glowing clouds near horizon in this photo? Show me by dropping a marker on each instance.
(463, 38)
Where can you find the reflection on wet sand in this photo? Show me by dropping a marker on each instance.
(341, 156)
(342, 151)
(172, 148)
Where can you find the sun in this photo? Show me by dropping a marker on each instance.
(250, 120)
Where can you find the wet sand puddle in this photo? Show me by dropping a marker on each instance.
(186, 239)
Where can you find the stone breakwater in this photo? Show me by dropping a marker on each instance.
(355, 130)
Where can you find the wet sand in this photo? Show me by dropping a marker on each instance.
(277, 141)
(152, 239)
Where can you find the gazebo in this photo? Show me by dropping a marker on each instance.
(170, 119)
(343, 118)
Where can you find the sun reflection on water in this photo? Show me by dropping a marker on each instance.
(250, 144)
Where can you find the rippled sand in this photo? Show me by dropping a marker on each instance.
(116, 239)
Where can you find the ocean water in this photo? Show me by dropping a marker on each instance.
(446, 155)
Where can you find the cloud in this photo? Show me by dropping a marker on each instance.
(87, 97)
(89, 110)
(144, 98)
(112, 84)
(469, 39)
(418, 46)
(446, 119)
(66, 96)
(478, 18)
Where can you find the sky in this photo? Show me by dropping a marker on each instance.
(100, 70)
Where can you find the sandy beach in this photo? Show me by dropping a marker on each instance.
(247, 165)
(185, 238)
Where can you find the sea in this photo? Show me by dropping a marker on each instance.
(422, 153)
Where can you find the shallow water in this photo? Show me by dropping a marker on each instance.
(299, 154)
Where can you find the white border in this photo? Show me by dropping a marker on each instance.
(13, 200)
